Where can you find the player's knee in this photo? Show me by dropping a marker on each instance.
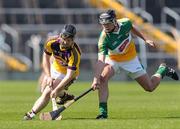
(107, 73)
(104, 79)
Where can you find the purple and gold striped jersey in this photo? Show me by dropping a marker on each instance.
(63, 58)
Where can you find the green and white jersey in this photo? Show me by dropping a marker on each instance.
(118, 45)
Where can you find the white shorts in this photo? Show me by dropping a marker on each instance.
(55, 74)
(132, 68)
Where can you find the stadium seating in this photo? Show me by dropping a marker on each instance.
(169, 44)
(42, 17)
(12, 63)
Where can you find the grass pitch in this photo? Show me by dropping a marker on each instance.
(129, 107)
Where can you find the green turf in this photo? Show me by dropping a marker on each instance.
(129, 107)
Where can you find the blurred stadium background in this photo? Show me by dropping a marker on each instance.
(25, 25)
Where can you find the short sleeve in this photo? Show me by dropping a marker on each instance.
(74, 60)
(47, 47)
(127, 23)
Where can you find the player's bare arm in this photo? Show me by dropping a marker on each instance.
(46, 67)
(135, 31)
(69, 76)
(98, 70)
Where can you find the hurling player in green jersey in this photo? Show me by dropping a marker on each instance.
(116, 53)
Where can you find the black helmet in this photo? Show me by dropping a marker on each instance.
(68, 31)
(107, 17)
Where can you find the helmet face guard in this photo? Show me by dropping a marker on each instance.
(105, 21)
(107, 17)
